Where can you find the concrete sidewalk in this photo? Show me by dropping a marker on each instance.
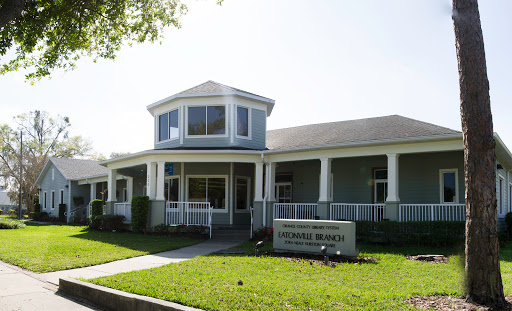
(24, 290)
(142, 262)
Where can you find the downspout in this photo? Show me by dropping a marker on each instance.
(265, 196)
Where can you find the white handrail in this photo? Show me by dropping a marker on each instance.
(432, 212)
(294, 211)
(252, 222)
(357, 212)
(189, 213)
(124, 209)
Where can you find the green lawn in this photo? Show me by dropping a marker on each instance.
(46, 248)
(210, 282)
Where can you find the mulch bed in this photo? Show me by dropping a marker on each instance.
(449, 303)
(429, 258)
(334, 260)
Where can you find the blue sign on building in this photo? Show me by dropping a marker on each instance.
(169, 169)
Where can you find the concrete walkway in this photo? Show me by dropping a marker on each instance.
(142, 262)
(24, 290)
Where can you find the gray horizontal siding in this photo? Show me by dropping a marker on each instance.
(47, 184)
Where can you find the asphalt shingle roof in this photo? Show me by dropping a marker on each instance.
(388, 127)
(215, 87)
(77, 168)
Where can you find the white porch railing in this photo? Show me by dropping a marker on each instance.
(189, 213)
(357, 212)
(295, 211)
(124, 209)
(252, 222)
(432, 212)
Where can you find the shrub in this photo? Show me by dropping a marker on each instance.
(428, 233)
(77, 201)
(96, 207)
(140, 207)
(107, 222)
(62, 210)
(37, 208)
(39, 216)
(11, 224)
(264, 233)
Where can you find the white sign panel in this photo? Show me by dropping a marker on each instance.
(310, 235)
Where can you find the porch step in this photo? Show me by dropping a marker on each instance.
(230, 233)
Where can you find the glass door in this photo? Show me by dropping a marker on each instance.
(172, 189)
(284, 192)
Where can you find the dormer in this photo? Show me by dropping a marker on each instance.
(211, 115)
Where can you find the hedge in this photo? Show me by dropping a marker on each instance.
(107, 222)
(11, 224)
(96, 207)
(428, 233)
(37, 208)
(140, 207)
(37, 216)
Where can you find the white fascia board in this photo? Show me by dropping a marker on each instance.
(97, 179)
(502, 151)
(400, 146)
(188, 156)
(269, 102)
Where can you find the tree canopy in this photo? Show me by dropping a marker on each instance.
(44, 136)
(45, 35)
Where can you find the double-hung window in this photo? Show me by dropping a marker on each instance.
(206, 120)
(449, 185)
(242, 121)
(168, 125)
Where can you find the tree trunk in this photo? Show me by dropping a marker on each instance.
(483, 277)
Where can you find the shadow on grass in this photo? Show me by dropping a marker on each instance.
(137, 242)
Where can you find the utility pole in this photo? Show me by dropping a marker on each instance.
(21, 174)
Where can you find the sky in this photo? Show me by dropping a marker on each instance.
(320, 60)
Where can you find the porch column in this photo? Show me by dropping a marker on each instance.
(160, 182)
(392, 200)
(324, 198)
(271, 178)
(129, 189)
(151, 179)
(93, 191)
(258, 196)
(258, 182)
(111, 189)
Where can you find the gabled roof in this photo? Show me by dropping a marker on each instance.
(381, 128)
(74, 169)
(212, 88)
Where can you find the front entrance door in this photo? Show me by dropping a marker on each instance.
(284, 192)
(172, 189)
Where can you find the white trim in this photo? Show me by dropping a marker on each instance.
(441, 185)
(157, 133)
(380, 181)
(187, 135)
(502, 195)
(52, 199)
(509, 197)
(45, 199)
(246, 210)
(226, 193)
(61, 196)
(249, 122)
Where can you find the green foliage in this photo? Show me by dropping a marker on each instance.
(46, 248)
(96, 207)
(11, 224)
(78, 201)
(107, 222)
(62, 210)
(39, 216)
(37, 208)
(140, 207)
(427, 233)
(263, 233)
(54, 35)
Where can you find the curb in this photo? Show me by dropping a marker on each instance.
(113, 299)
